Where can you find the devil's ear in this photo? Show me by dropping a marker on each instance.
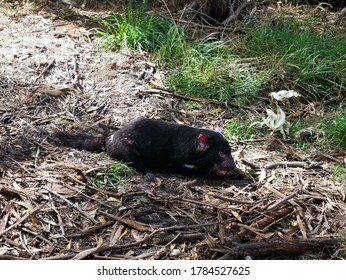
(203, 142)
(218, 129)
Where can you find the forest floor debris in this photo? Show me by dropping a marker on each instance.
(53, 76)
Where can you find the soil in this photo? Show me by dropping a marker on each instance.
(53, 75)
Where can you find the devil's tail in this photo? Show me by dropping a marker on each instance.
(82, 141)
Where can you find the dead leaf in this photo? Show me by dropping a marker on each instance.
(236, 215)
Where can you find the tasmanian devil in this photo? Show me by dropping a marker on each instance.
(156, 145)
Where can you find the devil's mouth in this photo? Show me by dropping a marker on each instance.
(220, 171)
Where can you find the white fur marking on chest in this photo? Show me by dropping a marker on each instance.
(189, 166)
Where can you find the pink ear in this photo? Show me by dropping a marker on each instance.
(217, 129)
(202, 142)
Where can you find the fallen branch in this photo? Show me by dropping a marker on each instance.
(235, 14)
(283, 196)
(184, 97)
(313, 105)
(302, 164)
(91, 230)
(73, 205)
(281, 201)
(282, 247)
(191, 237)
(250, 164)
(240, 8)
(200, 99)
(268, 219)
(5, 257)
(218, 28)
(236, 201)
(133, 224)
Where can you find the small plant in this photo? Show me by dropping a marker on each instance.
(339, 173)
(62, 13)
(116, 174)
(30, 4)
(274, 121)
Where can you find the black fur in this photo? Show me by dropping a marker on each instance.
(155, 145)
(82, 141)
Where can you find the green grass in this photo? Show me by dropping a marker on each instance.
(332, 128)
(339, 173)
(202, 68)
(335, 130)
(297, 57)
(30, 4)
(305, 123)
(240, 130)
(270, 57)
(134, 30)
(212, 69)
(116, 175)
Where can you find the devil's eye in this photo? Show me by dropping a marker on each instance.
(221, 154)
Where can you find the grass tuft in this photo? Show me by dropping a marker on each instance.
(135, 29)
(240, 130)
(116, 174)
(335, 130)
(339, 173)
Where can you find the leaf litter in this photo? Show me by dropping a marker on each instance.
(53, 76)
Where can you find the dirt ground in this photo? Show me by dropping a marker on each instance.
(54, 76)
